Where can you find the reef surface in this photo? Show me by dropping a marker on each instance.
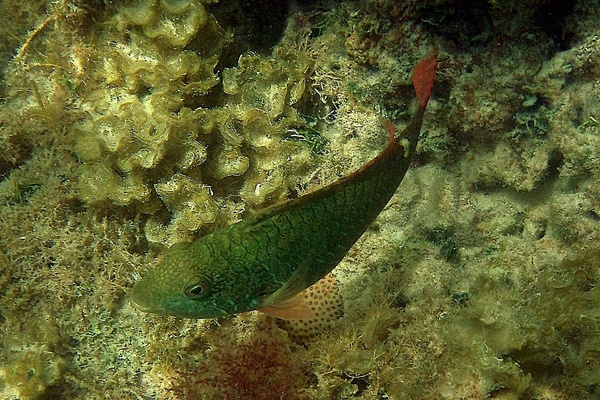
(128, 126)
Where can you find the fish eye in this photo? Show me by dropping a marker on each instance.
(197, 290)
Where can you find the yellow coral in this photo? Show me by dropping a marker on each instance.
(146, 143)
(191, 205)
(175, 21)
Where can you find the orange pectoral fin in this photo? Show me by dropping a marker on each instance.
(321, 300)
(293, 308)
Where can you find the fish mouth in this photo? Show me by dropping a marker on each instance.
(141, 302)
(139, 306)
(149, 309)
(152, 308)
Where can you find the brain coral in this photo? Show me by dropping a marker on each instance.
(161, 133)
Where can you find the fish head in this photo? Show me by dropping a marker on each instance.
(190, 282)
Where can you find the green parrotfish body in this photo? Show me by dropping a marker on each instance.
(265, 261)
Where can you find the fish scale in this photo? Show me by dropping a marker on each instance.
(264, 261)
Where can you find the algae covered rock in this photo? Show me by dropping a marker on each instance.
(31, 363)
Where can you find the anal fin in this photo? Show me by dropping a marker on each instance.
(325, 306)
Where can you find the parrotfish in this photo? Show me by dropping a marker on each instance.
(266, 261)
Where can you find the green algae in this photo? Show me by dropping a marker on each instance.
(121, 132)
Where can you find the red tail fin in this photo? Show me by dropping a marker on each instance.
(423, 76)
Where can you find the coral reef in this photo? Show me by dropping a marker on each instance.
(141, 142)
(128, 126)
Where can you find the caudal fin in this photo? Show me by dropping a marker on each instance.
(423, 76)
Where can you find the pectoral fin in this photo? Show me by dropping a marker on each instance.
(299, 281)
(293, 308)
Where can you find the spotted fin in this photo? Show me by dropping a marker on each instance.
(325, 304)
